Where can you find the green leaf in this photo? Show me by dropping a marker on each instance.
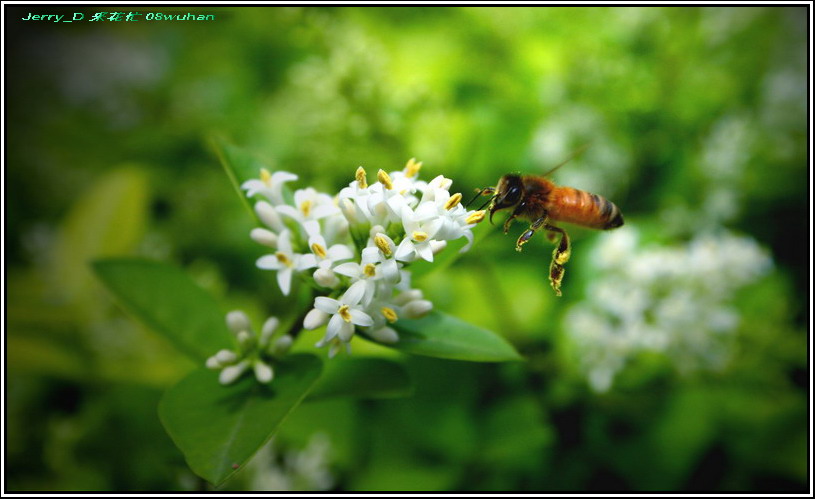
(107, 220)
(445, 336)
(362, 378)
(164, 298)
(219, 428)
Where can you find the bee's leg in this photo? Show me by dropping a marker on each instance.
(518, 209)
(526, 236)
(559, 257)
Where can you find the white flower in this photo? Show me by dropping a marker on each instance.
(268, 185)
(420, 227)
(309, 205)
(285, 262)
(345, 314)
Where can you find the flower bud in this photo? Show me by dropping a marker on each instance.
(230, 373)
(212, 363)
(263, 371)
(384, 335)
(268, 330)
(225, 357)
(237, 321)
(437, 246)
(281, 345)
(408, 296)
(264, 237)
(325, 277)
(417, 309)
(314, 319)
(268, 215)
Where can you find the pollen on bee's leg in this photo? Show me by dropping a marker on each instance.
(556, 272)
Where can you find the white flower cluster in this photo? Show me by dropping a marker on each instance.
(669, 300)
(353, 248)
(255, 351)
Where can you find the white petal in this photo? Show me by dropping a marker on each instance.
(268, 262)
(469, 235)
(346, 331)
(281, 177)
(324, 210)
(424, 251)
(307, 261)
(284, 242)
(360, 318)
(425, 211)
(340, 252)
(253, 186)
(433, 226)
(290, 211)
(312, 228)
(390, 270)
(284, 280)
(370, 255)
(405, 251)
(349, 269)
(326, 304)
(334, 326)
(354, 294)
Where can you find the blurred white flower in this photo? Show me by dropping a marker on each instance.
(268, 185)
(670, 300)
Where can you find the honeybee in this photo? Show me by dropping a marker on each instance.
(539, 200)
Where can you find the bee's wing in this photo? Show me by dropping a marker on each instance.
(577, 152)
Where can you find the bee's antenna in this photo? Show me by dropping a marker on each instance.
(477, 193)
(486, 203)
(571, 157)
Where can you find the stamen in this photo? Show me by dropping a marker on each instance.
(344, 313)
(305, 207)
(453, 201)
(265, 176)
(282, 258)
(318, 250)
(390, 314)
(361, 176)
(384, 179)
(419, 236)
(475, 217)
(412, 168)
(369, 270)
(382, 244)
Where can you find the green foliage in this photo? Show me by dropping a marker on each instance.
(220, 428)
(442, 335)
(696, 120)
(167, 300)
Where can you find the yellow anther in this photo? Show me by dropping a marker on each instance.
(282, 258)
(305, 207)
(390, 314)
(362, 178)
(318, 250)
(265, 176)
(384, 179)
(453, 201)
(369, 270)
(412, 167)
(382, 244)
(419, 236)
(344, 313)
(475, 217)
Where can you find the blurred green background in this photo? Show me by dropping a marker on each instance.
(675, 361)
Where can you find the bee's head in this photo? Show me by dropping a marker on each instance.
(508, 193)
